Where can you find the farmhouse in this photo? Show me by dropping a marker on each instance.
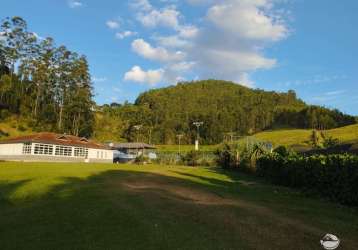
(54, 147)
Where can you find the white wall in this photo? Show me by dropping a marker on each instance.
(11, 149)
(100, 154)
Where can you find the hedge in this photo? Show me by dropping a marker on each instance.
(334, 177)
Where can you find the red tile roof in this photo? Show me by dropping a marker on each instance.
(58, 139)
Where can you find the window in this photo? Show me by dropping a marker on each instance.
(43, 149)
(26, 149)
(97, 154)
(81, 152)
(101, 154)
(63, 151)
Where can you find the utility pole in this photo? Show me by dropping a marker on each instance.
(137, 127)
(197, 124)
(179, 138)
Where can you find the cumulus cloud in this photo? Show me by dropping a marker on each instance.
(99, 79)
(167, 17)
(124, 34)
(227, 44)
(247, 20)
(151, 77)
(161, 54)
(112, 24)
(74, 4)
(142, 5)
(171, 41)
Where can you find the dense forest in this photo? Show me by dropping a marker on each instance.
(49, 88)
(159, 115)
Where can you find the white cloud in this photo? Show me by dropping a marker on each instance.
(151, 77)
(124, 34)
(188, 31)
(246, 19)
(142, 5)
(112, 24)
(74, 4)
(317, 79)
(167, 17)
(228, 43)
(335, 93)
(199, 2)
(99, 79)
(171, 41)
(161, 54)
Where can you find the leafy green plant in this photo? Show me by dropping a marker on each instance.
(191, 158)
(329, 141)
(21, 128)
(333, 177)
(141, 159)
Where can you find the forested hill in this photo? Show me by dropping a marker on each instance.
(223, 107)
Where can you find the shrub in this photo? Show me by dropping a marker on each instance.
(282, 150)
(141, 159)
(21, 128)
(334, 177)
(191, 158)
(330, 142)
(225, 157)
(2, 133)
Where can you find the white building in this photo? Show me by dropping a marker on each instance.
(54, 147)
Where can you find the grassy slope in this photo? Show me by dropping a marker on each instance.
(10, 126)
(301, 136)
(99, 206)
(285, 137)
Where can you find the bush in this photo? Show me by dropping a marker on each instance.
(330, 142)
(21, 128)
(282, 150)
(191, 158)
(225, 157)
(2, 133)
(334, 177)
(141, 159)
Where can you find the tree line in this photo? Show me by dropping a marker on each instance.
(48, 85)
(160, 115)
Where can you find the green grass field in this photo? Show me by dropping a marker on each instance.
(290, 137)
(105, 206)
(286, 137)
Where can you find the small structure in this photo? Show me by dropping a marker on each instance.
(53, 147)
(126, 152)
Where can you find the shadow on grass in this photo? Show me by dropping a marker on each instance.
(121, 209)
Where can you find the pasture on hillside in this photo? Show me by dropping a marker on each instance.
(105, 206)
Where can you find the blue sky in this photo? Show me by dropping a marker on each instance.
(309, 46)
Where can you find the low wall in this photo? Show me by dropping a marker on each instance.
(36, 158)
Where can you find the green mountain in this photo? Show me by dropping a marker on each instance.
(223, 107)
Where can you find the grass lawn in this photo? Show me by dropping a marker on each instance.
(185, 148)
(105, 206)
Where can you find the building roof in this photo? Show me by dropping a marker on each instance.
(132, 145)
(58, 139)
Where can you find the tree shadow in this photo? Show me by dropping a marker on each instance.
(123, 209)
